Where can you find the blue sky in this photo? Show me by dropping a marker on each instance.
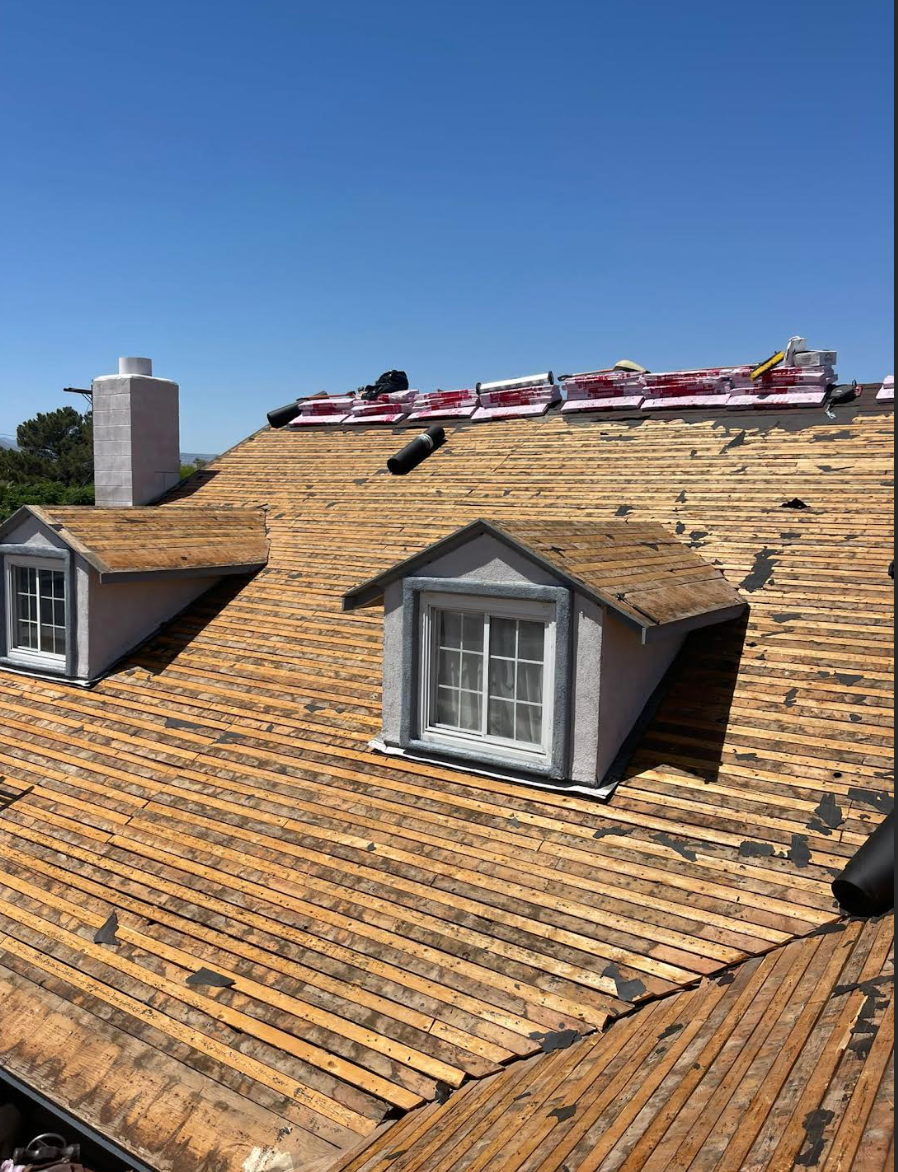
(276, 197)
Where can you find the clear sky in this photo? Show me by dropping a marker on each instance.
(272, 197)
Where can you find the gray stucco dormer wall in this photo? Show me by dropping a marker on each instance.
(630, 672)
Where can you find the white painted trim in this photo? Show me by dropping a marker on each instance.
(489, 607)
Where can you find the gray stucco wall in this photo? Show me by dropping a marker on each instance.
(589, 631)
(393, 664)
(29, 531)
(120, 616)
(487, 560)
(630, 673)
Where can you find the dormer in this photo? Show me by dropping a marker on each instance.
(81, 587)
(530, 649)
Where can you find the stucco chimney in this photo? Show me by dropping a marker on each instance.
(137, 435)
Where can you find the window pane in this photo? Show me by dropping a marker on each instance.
(48, 583)
(450, 668)
(504, 638)
(25, 635)
(530, 682)
(473, 632)
(472, 671)
(450, 629)
(471, 711)
(501, 722)
(459, 671)
(529, 724)
(532, 641)
(447, 707)
(502, 679)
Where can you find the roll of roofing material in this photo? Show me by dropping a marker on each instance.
(514, 384)
(867, 885)
(281, 416)
(417, 451)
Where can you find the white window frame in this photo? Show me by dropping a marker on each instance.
(23, 656)
(493, 607)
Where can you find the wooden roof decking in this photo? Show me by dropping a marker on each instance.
(786, 1063)
(128, 542)
(394, 928)
(638, 569)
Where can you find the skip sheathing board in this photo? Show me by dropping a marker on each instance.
(394, 929)
(786, 1063)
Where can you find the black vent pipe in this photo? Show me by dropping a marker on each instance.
(281, 416)
(867, 885)
(417, 451)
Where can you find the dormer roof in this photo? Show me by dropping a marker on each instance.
(126, 543)
(638, 569)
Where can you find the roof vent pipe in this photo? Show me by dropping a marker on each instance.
(517, 384)
(867, 885)
(281, 416)
(417, 451)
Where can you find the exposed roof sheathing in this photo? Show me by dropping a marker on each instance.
(393, 929)
(119, 542)
(637, 569)
(785, 1063)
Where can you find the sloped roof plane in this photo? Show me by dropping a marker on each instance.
(384, 920)
(637, 569)
(808, 1025)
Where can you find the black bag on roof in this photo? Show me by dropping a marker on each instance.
(389, 383)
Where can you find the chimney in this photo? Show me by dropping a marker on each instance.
(137, 441)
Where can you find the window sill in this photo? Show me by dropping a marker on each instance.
(498, 770)
(489, 755)
(37, 671)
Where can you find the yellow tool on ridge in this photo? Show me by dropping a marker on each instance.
(771, 362)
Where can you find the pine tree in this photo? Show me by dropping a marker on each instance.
(56, 446)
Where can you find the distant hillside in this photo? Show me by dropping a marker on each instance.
(192, 457)
(186, 457)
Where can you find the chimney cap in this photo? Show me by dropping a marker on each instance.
(142, 366)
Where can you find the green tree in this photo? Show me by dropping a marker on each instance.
(56, 446)
(54, 464)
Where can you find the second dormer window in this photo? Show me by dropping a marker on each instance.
(488, 673)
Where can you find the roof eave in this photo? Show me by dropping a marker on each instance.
(708, 618)
(112, 577)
